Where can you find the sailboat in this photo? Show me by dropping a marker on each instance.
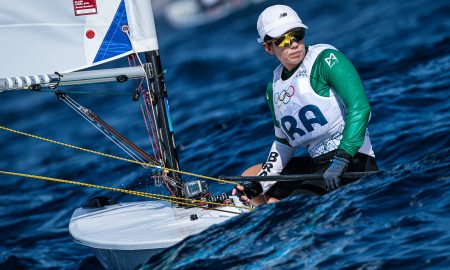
(59, 39)
(48, 45)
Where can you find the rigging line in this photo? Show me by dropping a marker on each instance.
(126, 30)
(167, 179)
(170, 182)
(178, 199)
(148, 131)
(99, 128)
(153, 114)
(138, 87)
(87, 115)
(150, 118)
(152, 123)
(147, 96)
(88, 92)
(82, 112)
(223, 181)
(56, 84)
(122, 138)
(168, 187)
(119, 138)
(188, 202)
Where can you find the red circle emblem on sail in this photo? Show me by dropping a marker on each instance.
(90, 34)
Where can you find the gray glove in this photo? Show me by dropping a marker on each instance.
(332, 175)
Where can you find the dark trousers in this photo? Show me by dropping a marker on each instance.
(307, 165)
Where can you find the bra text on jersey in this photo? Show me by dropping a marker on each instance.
(273, 157)
(290, 125)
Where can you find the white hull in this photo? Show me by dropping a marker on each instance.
(123, 259)
(122, 236)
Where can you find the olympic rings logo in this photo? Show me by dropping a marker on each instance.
(285, 95)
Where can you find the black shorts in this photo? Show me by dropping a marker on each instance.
(307, 165)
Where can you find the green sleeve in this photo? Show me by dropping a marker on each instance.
(333, 69)
(269, 99)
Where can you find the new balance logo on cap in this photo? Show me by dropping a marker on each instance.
(277, 20)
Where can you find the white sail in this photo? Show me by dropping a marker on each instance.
(44, 36)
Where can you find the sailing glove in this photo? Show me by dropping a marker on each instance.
(251, 189)
(332, 175)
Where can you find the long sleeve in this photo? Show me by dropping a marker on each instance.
(333, 70)
(279, 156)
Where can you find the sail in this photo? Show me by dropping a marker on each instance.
(44, 36)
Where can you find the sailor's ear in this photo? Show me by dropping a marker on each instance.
(268, 48)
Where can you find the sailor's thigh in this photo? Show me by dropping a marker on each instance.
(253, 170)
(299, 165)
(283, 189)
(362, 162)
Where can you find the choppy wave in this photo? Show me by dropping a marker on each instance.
(216, 77)
(394, 219)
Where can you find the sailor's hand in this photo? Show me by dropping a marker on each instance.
(332, 175)
(239, 191)
(247, 191)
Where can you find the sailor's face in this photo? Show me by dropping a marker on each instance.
(290, 56)
(289, 48)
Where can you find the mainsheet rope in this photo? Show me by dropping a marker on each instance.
(172, 199)
(223, 181)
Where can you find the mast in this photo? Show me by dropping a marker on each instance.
(82, 37)
(158, 90)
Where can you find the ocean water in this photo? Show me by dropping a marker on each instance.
(216, 77)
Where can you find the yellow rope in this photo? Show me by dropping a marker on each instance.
(118, 158)
(173, 199)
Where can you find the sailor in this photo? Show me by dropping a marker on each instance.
(317, 102)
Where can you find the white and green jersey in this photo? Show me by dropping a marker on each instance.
(320, 105)
(304, 118)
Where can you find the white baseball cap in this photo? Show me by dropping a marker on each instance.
(277, 20)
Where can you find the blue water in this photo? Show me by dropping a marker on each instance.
(216, 77)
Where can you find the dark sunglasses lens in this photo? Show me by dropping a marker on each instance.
(299, 35)
(279, 40)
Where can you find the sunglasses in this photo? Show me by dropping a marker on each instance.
(287, 39)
